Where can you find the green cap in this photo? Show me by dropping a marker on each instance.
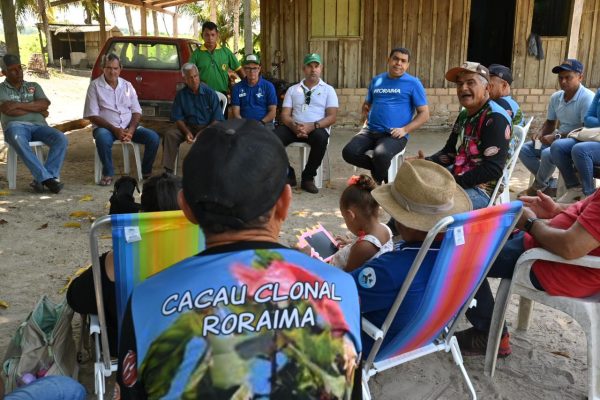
(251, 59)
(312, 57)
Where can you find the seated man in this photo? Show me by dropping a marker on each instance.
(247, 317)
(396, 105)
(309, 109)
(196, 106)
(570, 231)
(254, 97)
(112, 106)
(566, 112)
(477, 148)
(380, 279)
(23, 112)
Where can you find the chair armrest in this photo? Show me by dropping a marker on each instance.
(371, 329)
(94, 324)
(541, 254)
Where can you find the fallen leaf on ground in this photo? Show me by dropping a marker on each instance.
(86, 197)
(81, 214)
(43, 226)
(72, 225)
(3, 221)
(561, 353)
(3, 304)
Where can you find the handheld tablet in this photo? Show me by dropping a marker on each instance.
(323, 245)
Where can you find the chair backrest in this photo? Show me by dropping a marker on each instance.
(470, 245)
(222, 101)
(519, 135)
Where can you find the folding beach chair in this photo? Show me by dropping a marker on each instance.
(499, 197)
(143, 244)
(470, 245)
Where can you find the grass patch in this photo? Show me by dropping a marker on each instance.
(28, 45)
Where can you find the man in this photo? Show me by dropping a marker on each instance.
(566, 111)
(214, 61)
(112, 106)
(196, 106)
(499, 87)
(477, 148)
(308, 111)
(570, 231)
(254, 97)
(379, 280)
(23, 112)
(396, 105)
(246, 317)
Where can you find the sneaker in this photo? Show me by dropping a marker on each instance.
(571, 195)
(473, 342)
(53, 185)
(309, 186)
(292, 177)
(37, 186)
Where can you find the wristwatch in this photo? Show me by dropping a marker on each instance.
(317, 125)
(557, 136)
(529, 224)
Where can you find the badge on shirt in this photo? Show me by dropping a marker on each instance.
(304, 107)
(31, 89)
(224, 67)
(367, 278)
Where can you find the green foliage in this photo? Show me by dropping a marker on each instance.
(28, 45)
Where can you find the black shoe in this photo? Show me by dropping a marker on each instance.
(309, 186)
(53, 185)
(292, 177)
(36, 186)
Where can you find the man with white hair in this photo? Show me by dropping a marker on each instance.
(196, 107)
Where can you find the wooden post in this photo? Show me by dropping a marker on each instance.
(175, 28)
(248, 45)
(102, 21)
(574, 33)
(9, 21)
(143, 21)
(155, 23)
(42, 10)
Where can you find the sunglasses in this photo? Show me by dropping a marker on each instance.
(307, 97)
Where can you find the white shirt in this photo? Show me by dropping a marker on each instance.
(113, 105)
(322, 96)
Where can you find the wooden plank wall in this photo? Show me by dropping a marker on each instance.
(435, 31)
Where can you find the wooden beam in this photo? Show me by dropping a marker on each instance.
(62, 2)
(144, 21)
(575, 25)
(175, 26)
(137, 3)
(9, 21)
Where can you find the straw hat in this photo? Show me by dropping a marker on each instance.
(422, 194)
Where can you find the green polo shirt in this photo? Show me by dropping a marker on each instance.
(28, 92)
(213, 66)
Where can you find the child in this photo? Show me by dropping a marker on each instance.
(361, 214)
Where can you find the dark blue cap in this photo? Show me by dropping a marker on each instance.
(570, 64)
(501, 72)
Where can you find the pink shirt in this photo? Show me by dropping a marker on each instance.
(114, 105)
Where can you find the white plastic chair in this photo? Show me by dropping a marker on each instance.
(126, 166)
(223, 103)
(520, 133)
(585, 311)
(394, 164)
(11, 167)
(304, 149)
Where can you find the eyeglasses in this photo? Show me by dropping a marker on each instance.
(252, 69)
(307, 97)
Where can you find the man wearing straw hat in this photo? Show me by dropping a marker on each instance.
(422, 193)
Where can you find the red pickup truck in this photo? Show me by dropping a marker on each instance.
(153, 66)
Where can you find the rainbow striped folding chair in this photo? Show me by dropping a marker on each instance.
(470, 245)
(143, 244)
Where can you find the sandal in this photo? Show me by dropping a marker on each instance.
(106, 181)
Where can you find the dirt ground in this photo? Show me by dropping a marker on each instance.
(40, 248)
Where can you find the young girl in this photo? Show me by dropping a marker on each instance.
(361, 214)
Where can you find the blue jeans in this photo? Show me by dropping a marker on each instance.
(19, 134)
(479, 198)
(49, 388)
(569, 155)
(104, 141)
(539, 162)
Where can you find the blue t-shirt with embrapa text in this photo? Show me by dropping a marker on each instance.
(393, 101)
(254, 101)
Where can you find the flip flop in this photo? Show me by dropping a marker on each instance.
(106, 181)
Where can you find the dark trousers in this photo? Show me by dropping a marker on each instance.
(504, 266)
(384, 147)
(317, 140)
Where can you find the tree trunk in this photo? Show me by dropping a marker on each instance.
(212, 6)
(155, 23)
(42, 10)
(9, 21)
(248, 44)
(195, 27)
(129, 20)
(236, 25)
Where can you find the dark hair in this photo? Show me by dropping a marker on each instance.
(358, 194)
(110, 57)
(209, 25)
(400, 50)
(159, 193)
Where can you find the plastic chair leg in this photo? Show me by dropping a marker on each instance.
(496, 326)
(457, 356)
(11, 168)
(593, 343)
(126, 165)
(138, 160)
(525, 310)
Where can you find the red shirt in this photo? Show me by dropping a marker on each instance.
(569, 280)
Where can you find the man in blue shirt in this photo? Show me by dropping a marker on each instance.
(389, 109)
(254, 97)
(196, 106)
(416, 203)
(566, 112)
